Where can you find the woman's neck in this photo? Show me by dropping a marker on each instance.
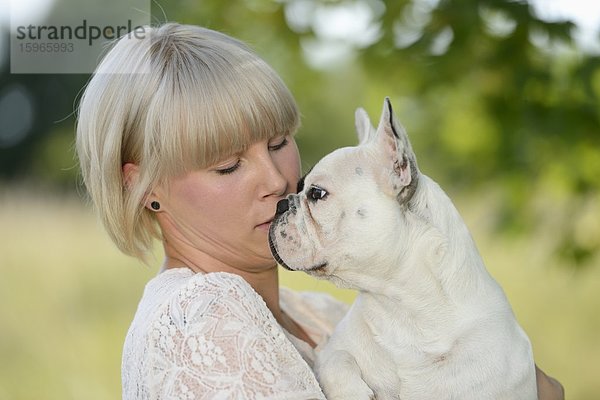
(264, 280)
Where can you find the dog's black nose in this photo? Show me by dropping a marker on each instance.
(282, 206)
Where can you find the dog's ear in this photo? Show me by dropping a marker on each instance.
(397, 154)
(364, 129)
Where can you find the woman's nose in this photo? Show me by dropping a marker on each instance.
(275, 182)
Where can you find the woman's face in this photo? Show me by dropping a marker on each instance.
(224, 211)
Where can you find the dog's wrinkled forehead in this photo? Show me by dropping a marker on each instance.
(335, 166)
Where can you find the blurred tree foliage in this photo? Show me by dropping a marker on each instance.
(496, 100)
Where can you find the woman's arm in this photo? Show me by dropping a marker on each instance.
(548, 388)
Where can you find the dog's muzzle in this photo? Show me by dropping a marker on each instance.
(289, 204)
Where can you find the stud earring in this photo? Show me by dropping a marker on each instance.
(155, 205)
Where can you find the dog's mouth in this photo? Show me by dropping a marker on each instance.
(276, 255)
(317, 269)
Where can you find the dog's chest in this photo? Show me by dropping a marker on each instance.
(397, 359)
(393, 372)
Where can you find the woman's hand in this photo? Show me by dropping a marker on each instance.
(548, 388)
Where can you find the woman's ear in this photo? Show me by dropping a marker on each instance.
(131, 173)
(131, 176)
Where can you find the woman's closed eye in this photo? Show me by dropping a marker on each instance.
(278, 143)
(231, 166)
(225, 170)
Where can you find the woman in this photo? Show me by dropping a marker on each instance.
(187, 136)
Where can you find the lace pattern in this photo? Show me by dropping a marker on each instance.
(212, 336)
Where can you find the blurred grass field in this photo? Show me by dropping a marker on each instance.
(67, 297)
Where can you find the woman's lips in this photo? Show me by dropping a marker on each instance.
(265, 225)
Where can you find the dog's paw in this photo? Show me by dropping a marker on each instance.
(341, 379)
(351, 394)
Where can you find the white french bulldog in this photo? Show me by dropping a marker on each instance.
(429, 321)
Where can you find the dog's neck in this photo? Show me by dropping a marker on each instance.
(442, 267)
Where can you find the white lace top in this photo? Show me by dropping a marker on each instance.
(211, 336)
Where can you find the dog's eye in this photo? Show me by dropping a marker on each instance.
(316, 193)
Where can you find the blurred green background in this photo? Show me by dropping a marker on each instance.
(501, 101)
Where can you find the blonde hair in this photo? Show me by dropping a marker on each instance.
(177, 99)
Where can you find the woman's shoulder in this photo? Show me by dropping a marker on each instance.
(216, 334)
(187, 279)
(183, 283)
(180, 297)
(181, 288)
(206, 303)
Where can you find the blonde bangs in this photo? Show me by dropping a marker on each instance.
(211, 111)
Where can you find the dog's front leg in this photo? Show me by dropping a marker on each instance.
(341, 378)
